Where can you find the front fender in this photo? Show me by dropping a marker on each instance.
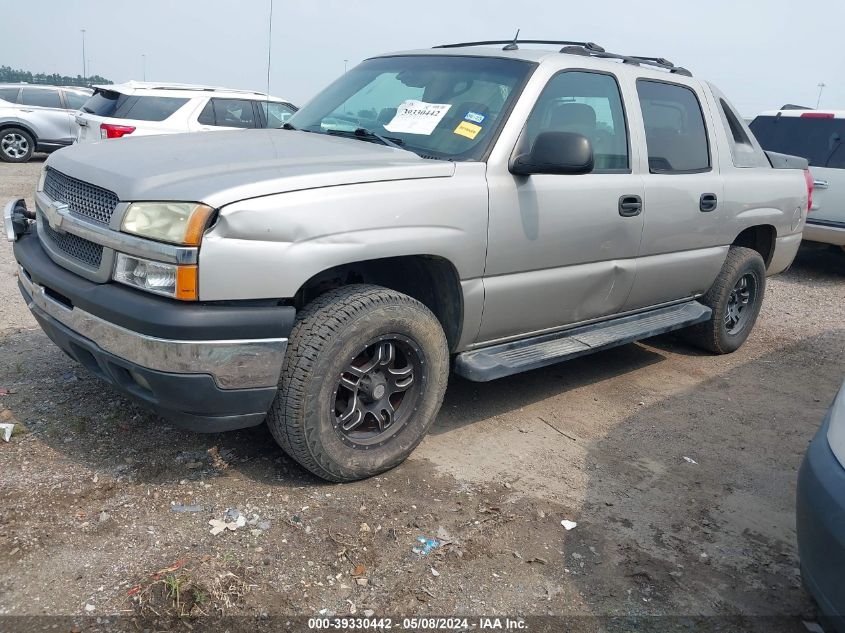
(268, 247)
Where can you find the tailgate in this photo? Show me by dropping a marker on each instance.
(828, 194)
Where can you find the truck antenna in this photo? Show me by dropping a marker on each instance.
(512, 46)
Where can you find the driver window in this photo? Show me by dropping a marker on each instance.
(584, 103)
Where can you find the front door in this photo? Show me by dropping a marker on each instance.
(562, 248)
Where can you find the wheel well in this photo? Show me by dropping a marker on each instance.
(761, 238)
(25, 128)
(431, 280)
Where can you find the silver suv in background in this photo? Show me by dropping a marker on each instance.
(37, 119)
(146, 108)
(818, 136)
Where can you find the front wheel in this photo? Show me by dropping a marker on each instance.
(735, 299)
(365, 373)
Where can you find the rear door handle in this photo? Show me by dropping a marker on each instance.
(707, 202)
(630, 206)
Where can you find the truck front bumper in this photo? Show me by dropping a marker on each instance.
(208, 367)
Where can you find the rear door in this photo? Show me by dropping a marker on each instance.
(818, 137)
(44, 111)
(682, 247)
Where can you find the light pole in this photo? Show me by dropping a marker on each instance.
(84, 74)
(821, 86)
(144, 63)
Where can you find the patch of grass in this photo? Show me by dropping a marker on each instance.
(191, 590)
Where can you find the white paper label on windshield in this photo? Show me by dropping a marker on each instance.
(417, 117)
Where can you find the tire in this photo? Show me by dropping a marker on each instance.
(716, 335)
(16, 145)
(326, 383)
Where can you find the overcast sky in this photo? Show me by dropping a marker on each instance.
(762, 53)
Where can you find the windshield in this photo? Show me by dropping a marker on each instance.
(437, 106)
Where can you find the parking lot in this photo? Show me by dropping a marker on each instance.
(679, 468)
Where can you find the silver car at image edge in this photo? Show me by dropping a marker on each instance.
(821, 516)
(490, 210)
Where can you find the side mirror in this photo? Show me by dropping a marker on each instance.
(556, 153)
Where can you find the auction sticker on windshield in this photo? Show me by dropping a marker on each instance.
(417, 117)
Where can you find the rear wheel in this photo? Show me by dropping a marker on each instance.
(735, 299)
(16, 145)
(365, 373)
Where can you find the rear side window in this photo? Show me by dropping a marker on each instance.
(674, 127)
(818, 140)
(41, 97)
(9, 94)
(137, 107)
(75, 100)
(228, 113)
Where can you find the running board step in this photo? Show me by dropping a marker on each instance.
(497, 361)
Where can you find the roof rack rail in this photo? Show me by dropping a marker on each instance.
(637, 60)
(587, 49)
(513, 44)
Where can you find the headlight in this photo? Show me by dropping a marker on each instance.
(170, 280)
(174, 222)
(40, 185)
(836, 430)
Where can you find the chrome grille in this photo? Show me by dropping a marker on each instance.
(82, 198)
(79, 248)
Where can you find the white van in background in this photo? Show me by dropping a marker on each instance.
(146, 108)
(818, 136)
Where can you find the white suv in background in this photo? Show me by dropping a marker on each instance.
(818, 136)
(146, 108)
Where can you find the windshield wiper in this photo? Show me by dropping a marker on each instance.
(287, 126)
(364, 133)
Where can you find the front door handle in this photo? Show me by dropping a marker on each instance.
(630, 206)
(820, 184)
(707, 202)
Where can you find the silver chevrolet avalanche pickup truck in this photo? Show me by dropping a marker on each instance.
(493, 209)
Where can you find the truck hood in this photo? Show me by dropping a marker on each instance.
(218, 168)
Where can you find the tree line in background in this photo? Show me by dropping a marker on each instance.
(12, 75)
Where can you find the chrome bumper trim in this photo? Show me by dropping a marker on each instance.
(60, 218)
(8, 212)
(235, 364)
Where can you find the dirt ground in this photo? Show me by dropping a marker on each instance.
(89, 486)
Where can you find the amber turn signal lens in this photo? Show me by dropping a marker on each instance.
(187, 286)
(196, 225)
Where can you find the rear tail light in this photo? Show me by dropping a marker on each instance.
(109, 130)
(809, 178)
(817, 115)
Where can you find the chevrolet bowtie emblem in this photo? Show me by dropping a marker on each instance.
(54, 213)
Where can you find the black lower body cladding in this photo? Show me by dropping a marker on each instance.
(193, 400)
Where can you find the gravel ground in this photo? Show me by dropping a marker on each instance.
(90, 482)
